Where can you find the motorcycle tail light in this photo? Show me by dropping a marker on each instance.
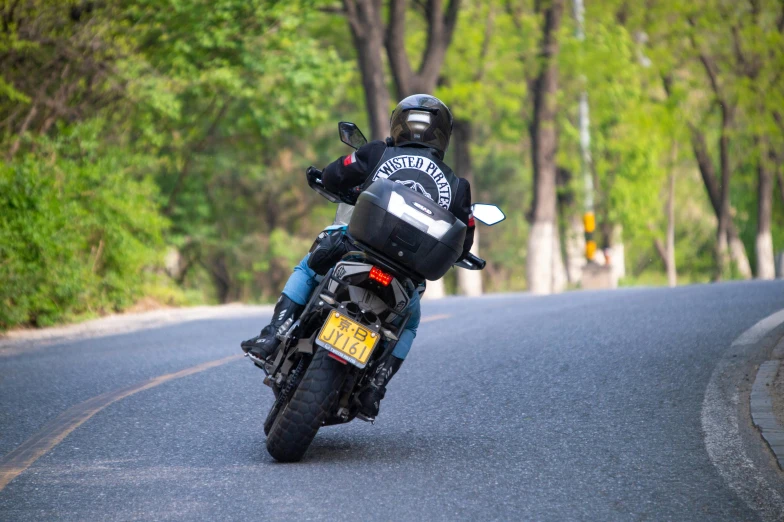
(338, 359)
(376, 274)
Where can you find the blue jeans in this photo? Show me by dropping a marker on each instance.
(303, 281)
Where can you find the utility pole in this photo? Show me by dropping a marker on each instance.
(589, 218)
(594, 275)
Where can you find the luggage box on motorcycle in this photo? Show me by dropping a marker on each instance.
(408, 227)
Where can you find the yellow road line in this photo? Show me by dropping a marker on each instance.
(58, 429)
(55, 431)
(432, 318)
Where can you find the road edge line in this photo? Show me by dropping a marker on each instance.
(20, 341)
(761, 405)
(720, 419)
(436, 317)
(56, 430)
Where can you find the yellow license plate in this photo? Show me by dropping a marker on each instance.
(348, 338)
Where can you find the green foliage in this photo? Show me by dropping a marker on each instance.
(486, 80)
(76, 231)
(631, 133)
(134, 128)
(225, 93)
(191, 111)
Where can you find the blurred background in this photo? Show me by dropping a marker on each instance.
(153, 151)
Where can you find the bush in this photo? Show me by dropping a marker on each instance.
(78, 234)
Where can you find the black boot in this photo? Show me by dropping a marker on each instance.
(264, 345)
(370, 398)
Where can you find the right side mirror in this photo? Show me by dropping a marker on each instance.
(351, 135)
(488, 214)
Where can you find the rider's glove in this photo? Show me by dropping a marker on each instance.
(314, 176)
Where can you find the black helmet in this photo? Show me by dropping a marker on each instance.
(421, 119)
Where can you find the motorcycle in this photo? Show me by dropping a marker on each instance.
(357, 313)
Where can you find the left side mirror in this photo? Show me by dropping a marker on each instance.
(351, 135)
(488, 214)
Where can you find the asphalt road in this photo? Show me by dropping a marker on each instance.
(581, 406)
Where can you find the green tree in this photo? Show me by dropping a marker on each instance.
(77, 233)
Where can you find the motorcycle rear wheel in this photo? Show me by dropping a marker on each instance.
(312, 402)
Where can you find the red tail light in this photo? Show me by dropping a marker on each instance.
(338, 359)
(376, 274)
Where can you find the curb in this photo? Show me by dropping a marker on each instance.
(733, 443)
(18, 341)
(761, 405)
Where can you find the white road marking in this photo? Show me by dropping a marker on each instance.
(55, 431)
(17, 342)
(720, 425)
(432, 318)
(758, 331)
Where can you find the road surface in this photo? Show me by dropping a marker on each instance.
(580, 406)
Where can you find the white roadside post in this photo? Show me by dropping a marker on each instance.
(594, 276)
(589, 219)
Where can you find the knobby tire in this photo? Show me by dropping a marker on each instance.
(312, 402)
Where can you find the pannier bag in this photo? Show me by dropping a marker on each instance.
(408, 227)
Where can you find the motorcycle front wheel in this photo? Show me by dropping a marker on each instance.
(312, 402)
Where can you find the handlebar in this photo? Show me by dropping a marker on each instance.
(471, 262)
(315, 182)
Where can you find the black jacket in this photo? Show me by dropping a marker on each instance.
(357, 169)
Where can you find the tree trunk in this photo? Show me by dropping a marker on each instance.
(540, 263)
(669, 251)
(220, 276)
(376, 94)
(469, 282)
(707, 171)
(738, 253)
(440, 28)
(435, 290)
(570, 228)
(777, 164)
(764, 243)
(723, 207)
(560, 278)
(367, 30)
(722, 257)
(780, 176)
(575, 249)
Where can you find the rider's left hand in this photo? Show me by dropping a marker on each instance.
(314, 176)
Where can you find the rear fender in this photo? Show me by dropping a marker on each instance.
(351, 273)
(307, 346)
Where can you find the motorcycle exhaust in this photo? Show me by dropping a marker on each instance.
(366, 317)
(353, 310)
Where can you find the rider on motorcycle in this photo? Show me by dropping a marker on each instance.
(420, 128)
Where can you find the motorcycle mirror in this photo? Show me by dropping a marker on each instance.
(351, 135)
(488, 214)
